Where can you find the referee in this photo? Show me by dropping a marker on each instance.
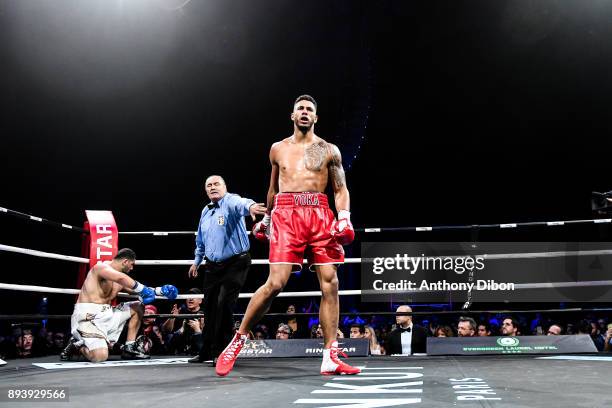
(223, 242)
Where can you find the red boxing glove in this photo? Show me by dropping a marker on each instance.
(261, 230)
(342, 229)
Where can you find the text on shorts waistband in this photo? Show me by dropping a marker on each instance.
(300, 200)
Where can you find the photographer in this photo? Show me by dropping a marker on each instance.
(185, 335)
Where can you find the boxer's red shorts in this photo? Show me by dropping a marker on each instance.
(301, 225)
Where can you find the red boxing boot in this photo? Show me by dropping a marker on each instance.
(333, 366)
(227, 358)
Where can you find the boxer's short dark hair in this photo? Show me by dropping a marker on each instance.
(306, 98)
(126, 253)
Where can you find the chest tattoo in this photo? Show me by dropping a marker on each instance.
(315, 155)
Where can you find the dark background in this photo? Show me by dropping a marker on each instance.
(446, 112)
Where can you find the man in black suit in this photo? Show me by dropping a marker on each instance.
(407, 338)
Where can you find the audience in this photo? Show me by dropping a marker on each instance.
(283, 332)
(466, 327)
(357, 331)
(587, 327)
(407, 338)
(375, 348)
(444, 331)
(24, 344)
(298, 325)
(184, 336)
(258, 333)
(153, 332)
(608, 345)
(510, 327)
(484, 329)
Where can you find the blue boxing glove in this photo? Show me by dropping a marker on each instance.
(169, 291)
(145, 294)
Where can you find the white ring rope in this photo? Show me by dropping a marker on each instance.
(528, 255)
(42, 254)
(139, 262)
(366, 229)
(167, 262)
(314, 293)
(159, 233)
(46, 289)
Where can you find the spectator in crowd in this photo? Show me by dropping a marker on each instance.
(375, 348)
(185, 335)
(407, 338)
(264, 328)
(601, 325)
(466, 327)
(554, 330)
(598, 335)
(258, 334)
(357, 331)
(510, 327)
(283, 332)
(484, 329)
(314, 331)
(298, 325)
(58, 342)
(586, 327)
(318, 333)
(444, 331)
(153, 332)
(608, 345)
(24, 345)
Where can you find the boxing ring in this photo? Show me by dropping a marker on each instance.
(429, 381)
(509, 381)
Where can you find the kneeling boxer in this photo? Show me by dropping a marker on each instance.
(95, 324)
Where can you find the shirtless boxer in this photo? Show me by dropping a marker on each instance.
(95, 324)
(300, 221)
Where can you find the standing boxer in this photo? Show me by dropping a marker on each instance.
(300, 221)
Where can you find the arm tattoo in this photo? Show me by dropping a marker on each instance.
(315, 156)
(337, 171)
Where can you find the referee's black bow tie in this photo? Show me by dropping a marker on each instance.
(213, 205)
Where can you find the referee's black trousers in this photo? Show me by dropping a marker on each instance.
(222, 284)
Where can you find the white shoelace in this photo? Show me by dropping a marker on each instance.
(231, 351)
(333, 354)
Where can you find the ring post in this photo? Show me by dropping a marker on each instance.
(102, 242)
